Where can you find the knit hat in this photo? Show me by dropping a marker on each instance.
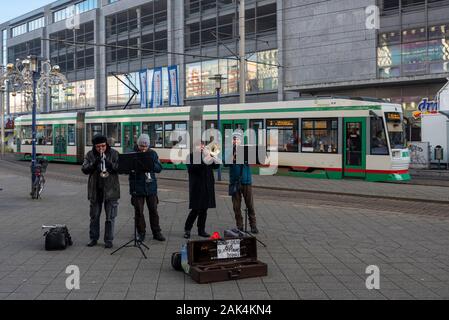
(99, 139)
(238, 134)
(144, 140)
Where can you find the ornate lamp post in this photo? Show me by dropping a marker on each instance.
(23, 77)
(218, 79)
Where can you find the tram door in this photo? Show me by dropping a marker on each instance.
(227, 129)
(354, 138)
(131, 133)
(60, 140)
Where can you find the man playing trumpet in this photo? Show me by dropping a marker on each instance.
(101, 164)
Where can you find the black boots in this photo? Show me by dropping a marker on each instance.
(159, 237)
(254, 230)
(92, 243)
(203, 234)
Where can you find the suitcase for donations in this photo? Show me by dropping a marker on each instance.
(224, 260)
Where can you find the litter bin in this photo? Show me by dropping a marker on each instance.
(438, 155)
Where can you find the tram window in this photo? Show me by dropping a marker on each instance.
(93, 129)
(114, 134)
(256, 135)
(379, 145)
(71, 135)
(26, 135)
(176, 135)
(44, 135)
(319, 136)
(155, 130)
(287, 135)
(395, 129)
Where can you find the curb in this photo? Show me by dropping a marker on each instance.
(331, 193)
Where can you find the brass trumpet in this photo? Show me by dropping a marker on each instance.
(104, 172)
(214, 150)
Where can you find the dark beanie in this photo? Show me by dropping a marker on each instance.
(99, 139)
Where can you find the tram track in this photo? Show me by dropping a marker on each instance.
(429, 208)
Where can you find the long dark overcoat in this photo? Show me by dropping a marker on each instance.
(201, 185)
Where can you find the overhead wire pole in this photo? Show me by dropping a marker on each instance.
(242, 52)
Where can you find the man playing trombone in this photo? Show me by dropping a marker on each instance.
(101, 164)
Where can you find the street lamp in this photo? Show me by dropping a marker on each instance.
(23, 77)
(218, 78)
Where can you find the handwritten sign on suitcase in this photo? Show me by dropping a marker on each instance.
(228, 249)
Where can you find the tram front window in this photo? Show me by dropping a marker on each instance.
(395, 129)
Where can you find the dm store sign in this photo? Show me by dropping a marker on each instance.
(426, 107)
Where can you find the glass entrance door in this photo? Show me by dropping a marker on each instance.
(131, 133)
(354, 147)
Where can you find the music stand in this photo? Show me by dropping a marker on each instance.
(132, 164)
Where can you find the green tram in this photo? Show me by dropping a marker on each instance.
(319, 137)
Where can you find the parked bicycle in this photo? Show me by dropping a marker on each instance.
(39, 179)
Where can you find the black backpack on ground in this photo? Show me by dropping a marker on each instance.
(176, 261)
(57, 238)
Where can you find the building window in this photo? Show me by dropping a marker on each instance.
(213, 22)
(175, 135)
(92, 130)
(379, 145)
(17, 31)
(77, 95)
(124, 30)
(262, 75)
(36, 24)
(78, 8)
(71, 57)
(319, 135)
(287, 135)
(24, 49)
(422, 51)
(155, 130)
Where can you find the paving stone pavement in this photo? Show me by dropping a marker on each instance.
(314, 252)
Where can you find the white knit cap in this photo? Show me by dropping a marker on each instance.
(144, 140)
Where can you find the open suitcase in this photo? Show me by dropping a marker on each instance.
(224, 260)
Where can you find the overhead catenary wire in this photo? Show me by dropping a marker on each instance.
(193, 55)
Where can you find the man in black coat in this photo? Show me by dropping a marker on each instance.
(201, 189)
(102, 190)
(143, 188)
